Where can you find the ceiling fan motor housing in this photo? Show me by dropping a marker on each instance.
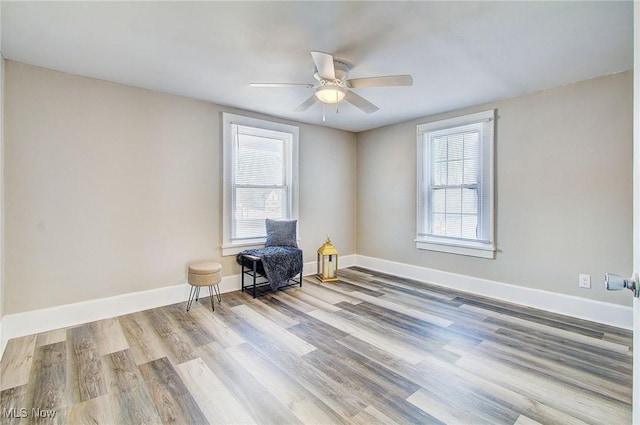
(333, 85)
(341, 69)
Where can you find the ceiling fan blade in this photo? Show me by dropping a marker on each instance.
(307, 104)
(307, 85)
(324, 65)
(386, 81)
(360, 102)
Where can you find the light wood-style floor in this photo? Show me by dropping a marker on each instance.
(369, 349)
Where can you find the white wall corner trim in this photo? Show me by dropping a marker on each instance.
(3, 340)
(582, 308)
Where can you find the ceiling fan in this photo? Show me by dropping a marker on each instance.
(333, 86)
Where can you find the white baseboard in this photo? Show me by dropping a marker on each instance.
(36, 321)
(311, 268)
(3, 340)
(47, 319)
(582, 308)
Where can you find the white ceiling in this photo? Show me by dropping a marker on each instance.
(459, 53)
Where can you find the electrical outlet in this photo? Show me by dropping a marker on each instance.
(584, 280)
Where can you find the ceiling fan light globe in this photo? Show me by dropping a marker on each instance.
(330, 94)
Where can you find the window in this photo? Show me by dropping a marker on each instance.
(455, 185)
(260, 179)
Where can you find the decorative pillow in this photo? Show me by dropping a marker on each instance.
(281, 233)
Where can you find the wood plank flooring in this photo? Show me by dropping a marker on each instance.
(369, 349)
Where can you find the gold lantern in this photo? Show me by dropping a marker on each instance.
(327, 262)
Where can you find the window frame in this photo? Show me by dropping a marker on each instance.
(229, 245)
(484, 247)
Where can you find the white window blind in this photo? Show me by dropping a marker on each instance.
(260, 179)
(260, 188)
(455, 185)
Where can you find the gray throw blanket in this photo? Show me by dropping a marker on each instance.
(278, 265)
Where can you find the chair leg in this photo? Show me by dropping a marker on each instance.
(242, 275)
(254, 278)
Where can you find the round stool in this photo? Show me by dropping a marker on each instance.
(204, 273)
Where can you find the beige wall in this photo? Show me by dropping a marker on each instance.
(111, 189)
(563, 190)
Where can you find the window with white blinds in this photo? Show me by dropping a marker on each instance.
(455, 185)
(260, 171)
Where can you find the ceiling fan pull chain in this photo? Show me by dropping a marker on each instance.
(324, 117)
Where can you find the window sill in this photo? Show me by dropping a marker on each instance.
(233, 249)
(471, 249)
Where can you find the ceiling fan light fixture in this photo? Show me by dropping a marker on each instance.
(333, 84)
(330, 93)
